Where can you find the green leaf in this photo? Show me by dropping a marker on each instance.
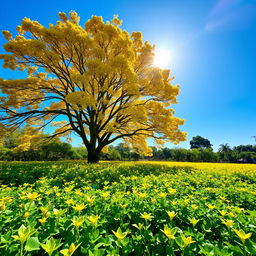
(90, 253)
(179, 242)
(32, 244)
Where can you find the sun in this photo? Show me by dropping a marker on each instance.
(162, 58)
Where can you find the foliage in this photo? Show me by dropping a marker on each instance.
(200, 142)
(42, 148)
(127, 209)
(99, 80)
(113, 154)
(51, 151)
(229, 155)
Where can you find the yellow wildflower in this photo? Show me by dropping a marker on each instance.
(70, 201)
(105, 195)
(146, 216)
(193, 221)
(210, 206)
(32, 196)
(90, 199)
(70, 250)
(174, 202)
(223, 213)
(172, 190)
(142, 195)
(171, 214)
(78, 221)
(194, 207)
(79, 207)
(119, 234)
(187, 240)
(241, 234)
(26, 215)
(163, 195)
(228, 223)
(2, 207)
(231, 214)
(138, 226)
(93, 219)
(42, 220)
(169, 232)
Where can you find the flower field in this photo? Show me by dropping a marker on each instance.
(126, 208)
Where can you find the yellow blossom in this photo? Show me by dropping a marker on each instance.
(153, 200)
(210, 206)
(231, 214)
(70, 201)
(26, 215)
(142, 195)
(105, 195)
(119, 234)
(78, 221)
(32, 196)
(163, 195)
(42, 220)
(194, 207)
(146, 216)
(228, 223)
(223, 213)
(187, 240)
(79, 207)
(70, 250)
(139, 226)
(242, 235)
(171, 214)
(90, 199)
(169, 232)
(93, 219)
(193, 221)
(2, 207)
(172, 190)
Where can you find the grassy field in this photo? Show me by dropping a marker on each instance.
(127, 208)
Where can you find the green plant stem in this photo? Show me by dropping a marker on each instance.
(21, 249)
(244, 249)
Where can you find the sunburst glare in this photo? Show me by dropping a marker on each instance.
(162, 58)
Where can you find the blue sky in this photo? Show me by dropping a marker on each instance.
(212, 48)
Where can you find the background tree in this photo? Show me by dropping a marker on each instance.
(11, 139)
(224, 148)
(113, 154)
(200, 142)
(99, 80)
(245, 148)
(225, 152)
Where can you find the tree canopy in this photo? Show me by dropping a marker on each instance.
(97, 81)
(200, 142)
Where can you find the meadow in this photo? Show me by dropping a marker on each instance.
(127, 208)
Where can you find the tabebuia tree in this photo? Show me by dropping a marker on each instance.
(97, 81)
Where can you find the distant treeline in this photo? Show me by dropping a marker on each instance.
(53, 150)
(42, 149)
(239, 154)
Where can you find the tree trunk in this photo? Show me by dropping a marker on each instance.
(93, 156)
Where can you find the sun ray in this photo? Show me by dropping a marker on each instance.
(162, 58)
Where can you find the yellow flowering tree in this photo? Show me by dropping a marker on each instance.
(99, 80)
